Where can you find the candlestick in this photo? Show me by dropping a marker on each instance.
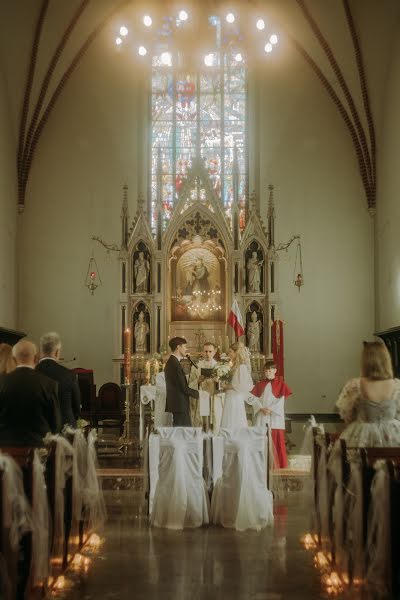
(127, 356)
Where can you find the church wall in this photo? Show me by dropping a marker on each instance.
(306, 152)
(8, 212)
(388, 201)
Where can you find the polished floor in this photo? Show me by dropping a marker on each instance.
(137, 562)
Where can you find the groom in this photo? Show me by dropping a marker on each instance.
(178, 391)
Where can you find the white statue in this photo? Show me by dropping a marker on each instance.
(142, 329)
(254, 273)
(141, 269)
(254, 327)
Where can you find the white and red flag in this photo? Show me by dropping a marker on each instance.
(235, 319)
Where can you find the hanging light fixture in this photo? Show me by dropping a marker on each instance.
(93, 279)
(298, 278)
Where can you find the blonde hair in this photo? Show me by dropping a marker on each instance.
(7, 361)
(240, 354)
(376, 363)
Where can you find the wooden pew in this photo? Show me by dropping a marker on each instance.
(23, 456)
(324, 441)
(8, 557)
(367, 457)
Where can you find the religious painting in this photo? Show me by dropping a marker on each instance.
(197, 287)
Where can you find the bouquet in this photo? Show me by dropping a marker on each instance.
(223, 371)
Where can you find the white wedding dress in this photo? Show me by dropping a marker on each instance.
(234, 413)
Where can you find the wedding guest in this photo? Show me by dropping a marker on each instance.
(7, 361)
(370, 404)
(178, 391)
(28, 401)
(272, 392)
(68, 389)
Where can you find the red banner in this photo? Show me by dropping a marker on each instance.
(277, 346)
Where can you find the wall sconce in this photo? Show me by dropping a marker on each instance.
(93, 279)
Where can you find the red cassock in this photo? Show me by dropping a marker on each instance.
(279, 389)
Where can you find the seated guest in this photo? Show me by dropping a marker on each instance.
(370, 404)
(7, 361)
(68, 388)
(28, 401)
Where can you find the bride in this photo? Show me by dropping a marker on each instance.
(236, 392)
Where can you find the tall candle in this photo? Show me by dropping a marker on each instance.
(156, 367)
(127, 355)
(147, 370)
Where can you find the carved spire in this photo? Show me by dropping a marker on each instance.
(271, 217)
(124, 218)
(235, 200)
(253, 201)
(159, 204)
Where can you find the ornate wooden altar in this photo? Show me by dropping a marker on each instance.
(181, 278)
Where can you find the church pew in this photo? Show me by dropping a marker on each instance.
(365, 459)
(323, 442)
(8, 558)
(23, 456)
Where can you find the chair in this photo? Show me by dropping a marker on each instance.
(241, 499)
(180, 498)
(110, 407)
(88, 393)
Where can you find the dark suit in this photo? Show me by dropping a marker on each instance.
(28, 408)
(68, 389)
(178, 393)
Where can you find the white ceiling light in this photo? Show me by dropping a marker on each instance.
(118, 41)
(230, 18)
(260, 24)
(123, 31)
(273, 39)
(142, 51)
(147, 21)
(183, 16)
(268, 47)
(238, 57)
(209, 60)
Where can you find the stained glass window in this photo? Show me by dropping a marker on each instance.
(198, 113)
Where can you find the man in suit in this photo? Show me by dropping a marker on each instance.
(178, 391)
(28, 401)
(68, 388)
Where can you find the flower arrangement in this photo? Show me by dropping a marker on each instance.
(223, 371)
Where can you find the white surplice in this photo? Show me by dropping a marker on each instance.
(275, 420)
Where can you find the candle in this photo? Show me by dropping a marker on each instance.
(147, 370)
(156, 367)
(127, 356)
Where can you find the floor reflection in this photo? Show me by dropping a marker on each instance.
(138, 562)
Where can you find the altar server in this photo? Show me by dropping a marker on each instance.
(270, 410)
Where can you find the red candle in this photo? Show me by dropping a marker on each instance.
(127, 355)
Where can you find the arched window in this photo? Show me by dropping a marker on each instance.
(199, 113)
